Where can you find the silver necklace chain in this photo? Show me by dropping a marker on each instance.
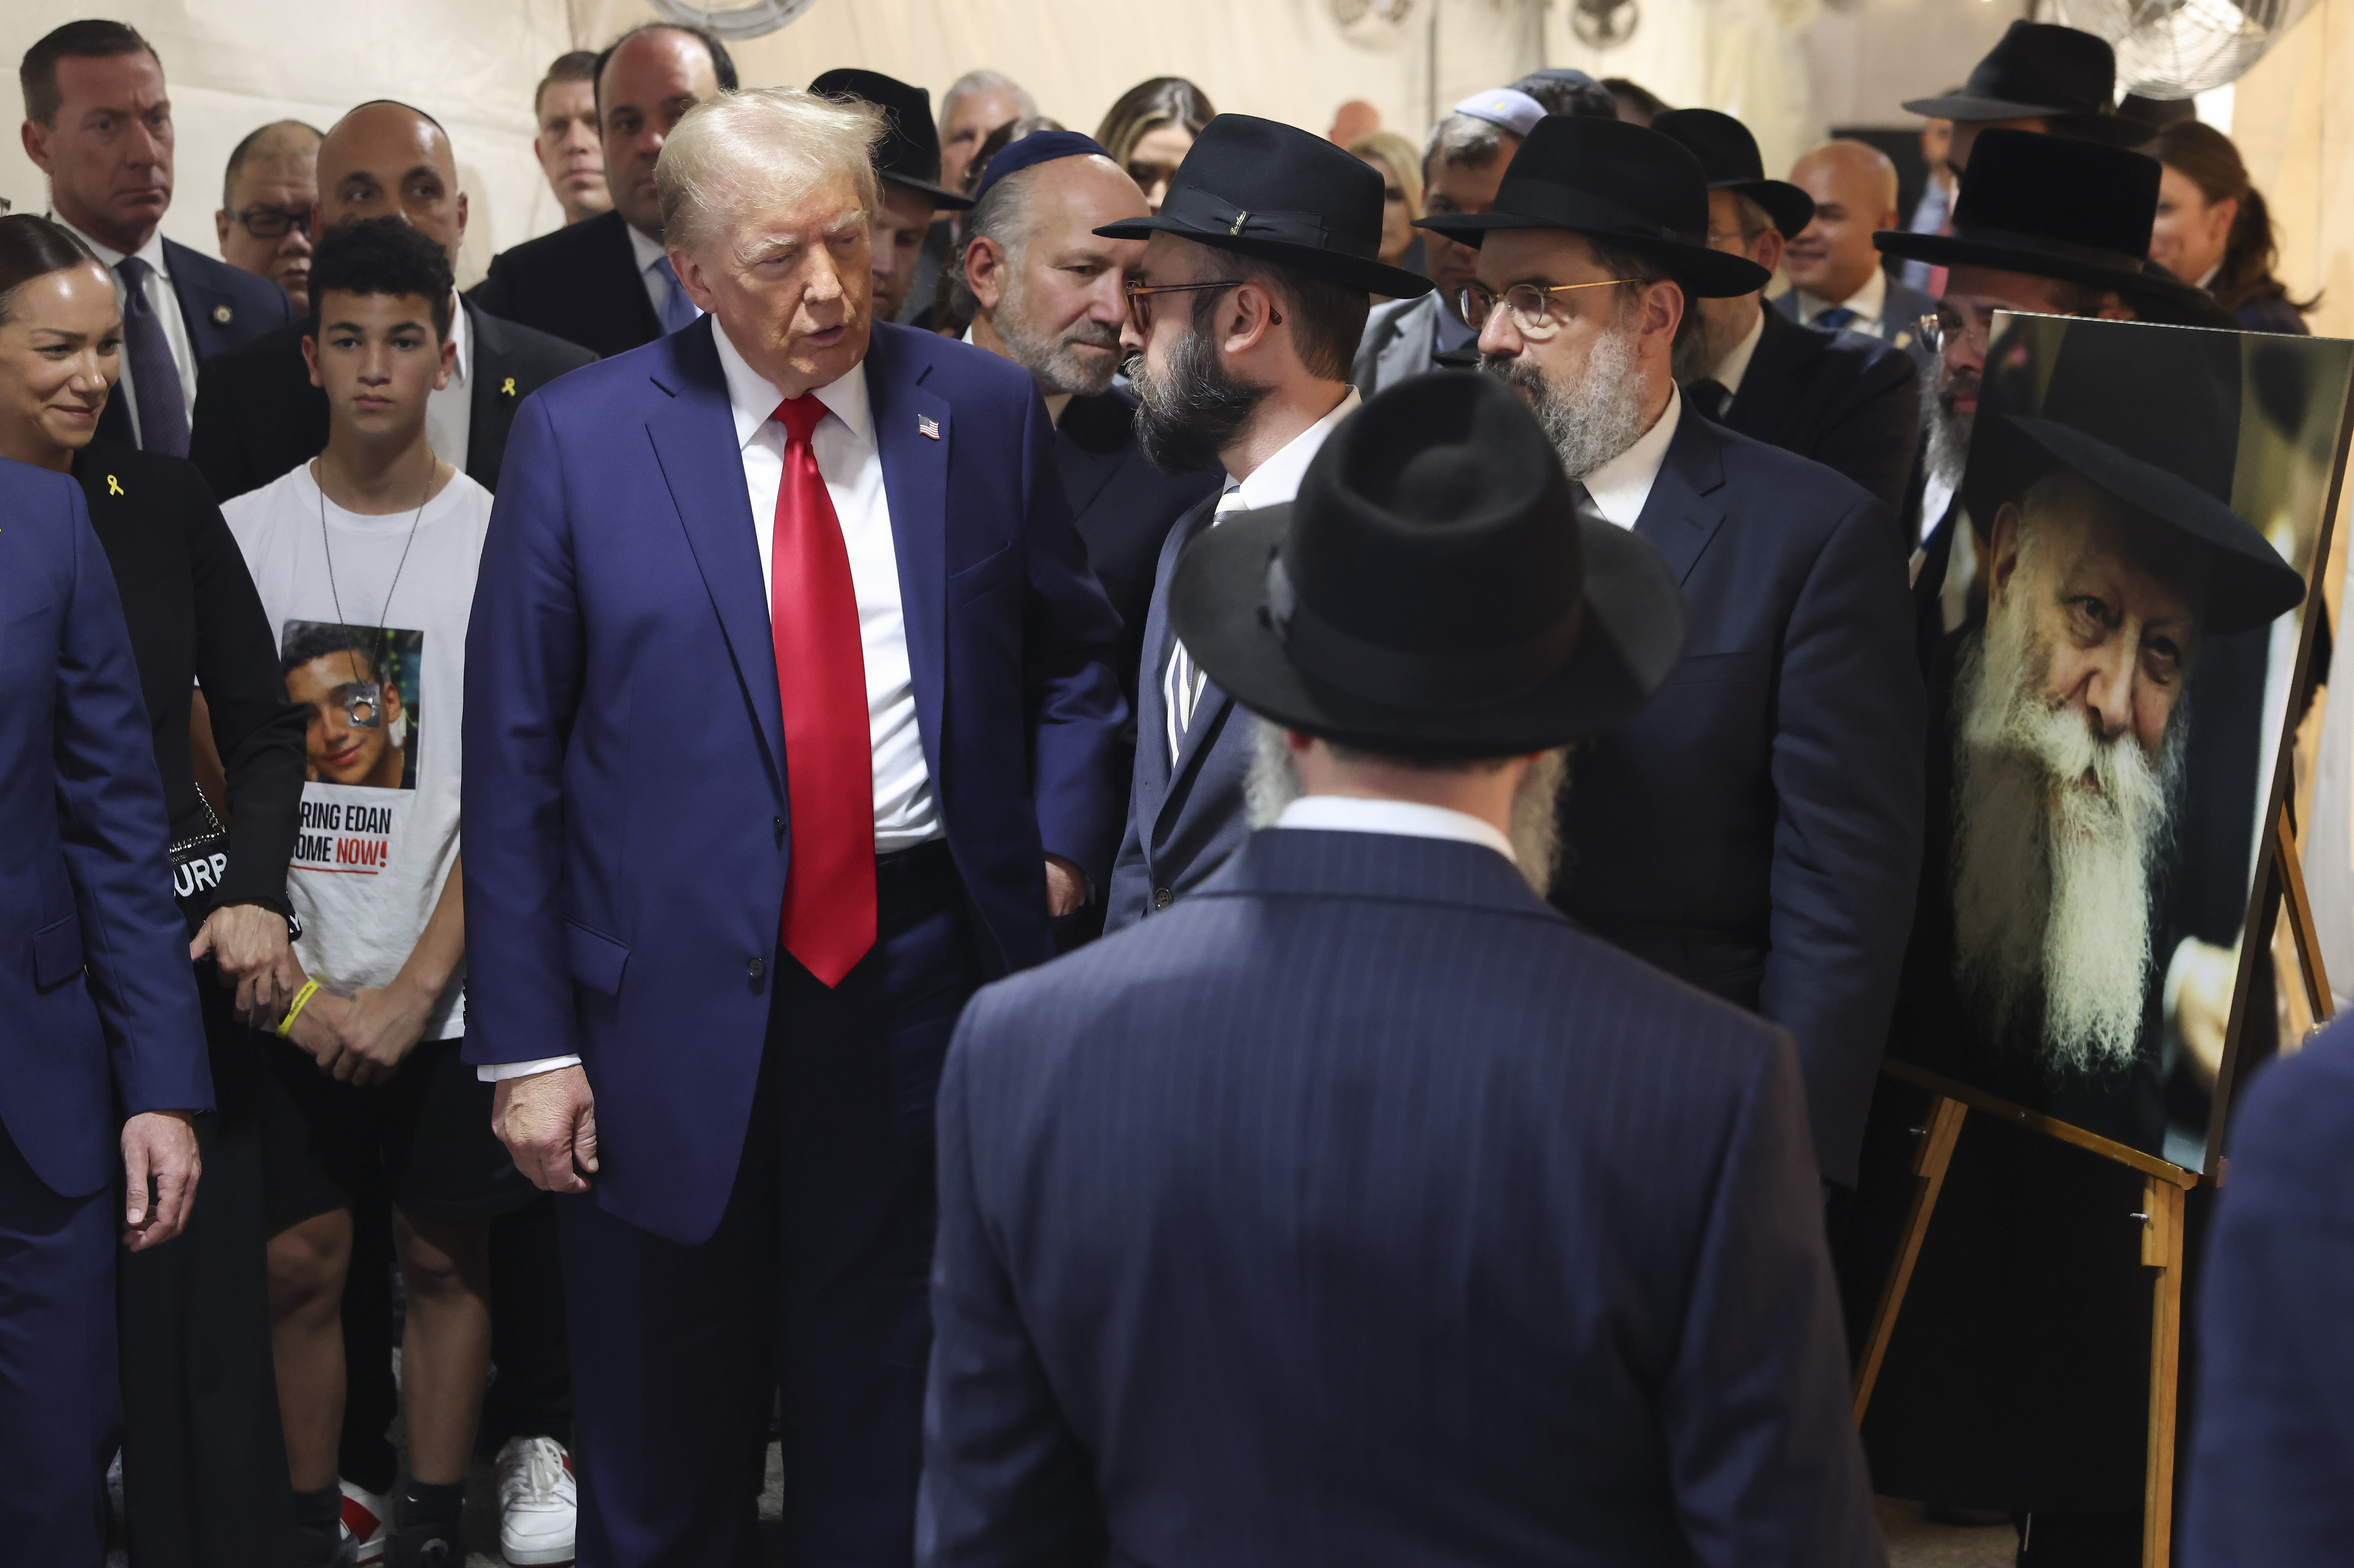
(383, 615)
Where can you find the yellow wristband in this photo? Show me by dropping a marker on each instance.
(310, 988)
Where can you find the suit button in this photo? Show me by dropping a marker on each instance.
(779, 824)
(755, 968)
(1163, 899)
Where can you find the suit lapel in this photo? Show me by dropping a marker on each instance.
(1763, 404)
(1408, 351)
(916, 482)
(1153, 770)
(494, 377)
(1679, 519)
(1210, 710)
(694, 442)
(1085, 450)
(207, 336)
(648, 319)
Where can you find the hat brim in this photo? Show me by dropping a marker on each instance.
(2157, 296)
(1710, 274)
(2248, 585)
(1350, 271)
(941, 196)
(2114, 130)
(1791, 208)
(1630, 642)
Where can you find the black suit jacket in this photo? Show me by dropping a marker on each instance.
(260, 416)
(222, 306)
(1757, 829)
(1124, 507)
(1848, 401)
(1360, 1209)
(581, 283)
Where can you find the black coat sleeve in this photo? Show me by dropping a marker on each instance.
(258, 732)
(216, 444)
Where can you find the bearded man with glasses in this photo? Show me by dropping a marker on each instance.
(1243, 318)
(1757, 829)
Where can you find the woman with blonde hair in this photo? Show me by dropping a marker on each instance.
(1150, 128)
(1399, 163)
(2214, 231)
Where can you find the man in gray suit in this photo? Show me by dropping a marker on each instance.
(1833, 266)
(1253, 291)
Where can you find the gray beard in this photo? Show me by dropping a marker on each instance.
(1535, 834)
(1594, 418)
(1949, 442)
(2051, 884)
(1054, 362)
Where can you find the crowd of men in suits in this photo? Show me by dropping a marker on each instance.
(1202, 920)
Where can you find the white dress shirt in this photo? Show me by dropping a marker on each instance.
(848, 456)
(1406, 818)
(851, 464)
(1870, 304)
(1727, 372)
(1621, 486)
(449, 410)
(647, 252)
(164, 303)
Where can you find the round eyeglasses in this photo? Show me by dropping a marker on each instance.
(1530, 305)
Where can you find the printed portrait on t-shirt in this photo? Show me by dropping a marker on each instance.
(357, 685)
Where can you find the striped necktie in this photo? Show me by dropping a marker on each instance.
(1181, 687)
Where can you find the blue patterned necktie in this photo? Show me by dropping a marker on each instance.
(1835, 318)
(677, 310)
(155, 373)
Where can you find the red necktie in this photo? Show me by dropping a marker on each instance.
(829, 919)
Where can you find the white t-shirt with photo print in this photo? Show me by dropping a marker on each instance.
(386, 640)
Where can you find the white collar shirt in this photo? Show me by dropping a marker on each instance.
(165, 306)
(449, 410)
(1729, 370)
(851, 461)
(647, 252)
(1870, 304)
(1404, 819)
(1622, 487)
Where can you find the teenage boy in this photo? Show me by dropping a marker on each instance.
(364, 558)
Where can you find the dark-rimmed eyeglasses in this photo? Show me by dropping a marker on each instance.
(272, 222)
(1530, 305)
(1139, 295)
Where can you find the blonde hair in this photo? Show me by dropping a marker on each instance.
(762, 146)
(1399, 157)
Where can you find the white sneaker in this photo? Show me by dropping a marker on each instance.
(540, 1502)
(368, 1522)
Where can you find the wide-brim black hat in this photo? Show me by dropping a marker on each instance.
(1431, 589)
(1728, 154)
(1627, 185)
(2151, 415)
(909, 153)
(2054, 208)
(2039, 70)
(1271, 190)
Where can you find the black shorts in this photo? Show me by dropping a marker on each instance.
(422, 1140)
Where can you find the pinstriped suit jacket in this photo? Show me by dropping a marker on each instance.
(1361, 1211)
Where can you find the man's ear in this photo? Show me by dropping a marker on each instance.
(1660, 309)
(310, 358)
(2002, 548)
(984, 271)
(221, 221)
(461, 221)
(36, 137)
(1251, 315)
(448, 362)
(691, 279)
(1768, 248)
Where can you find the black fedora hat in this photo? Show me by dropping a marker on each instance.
(2054, 208)
(909, 153)
(2151, 415)
(1431, 587)
(2039, 70)
(1728, 154)
(1275, 191)
(1628, 185)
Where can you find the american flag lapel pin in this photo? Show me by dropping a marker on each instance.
(926, 427)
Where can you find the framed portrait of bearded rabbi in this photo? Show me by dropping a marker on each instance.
(2126, 630)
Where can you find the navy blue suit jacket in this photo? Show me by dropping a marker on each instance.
(1183, 821)
(1357, 1211)
(2272, 1466)
(1849, 402)
(1757, 829)
(625, 805)
(222, 307)
(97, 1004)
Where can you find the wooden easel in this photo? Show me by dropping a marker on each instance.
(2164, 1186)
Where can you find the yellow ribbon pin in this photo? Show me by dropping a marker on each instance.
(113, 485)
(507, 388)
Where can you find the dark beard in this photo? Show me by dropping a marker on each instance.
(1184, 421)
